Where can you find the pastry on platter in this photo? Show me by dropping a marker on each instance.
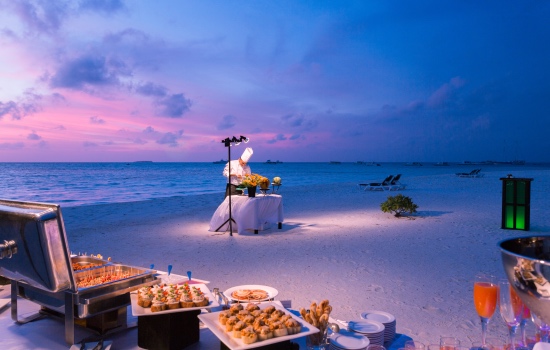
(198, 297)
(172, 301)
(237, 329)
(186, 300)
(235, 308)
(159, 303)
(248, 335)
(265, 333)
(230, 322)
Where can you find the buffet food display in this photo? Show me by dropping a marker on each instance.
(95, 292)
(87, 290)
(246, 326)
(167, 298)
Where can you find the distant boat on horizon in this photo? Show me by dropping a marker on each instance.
(335, 162)
(414, 164)
(221, 161)
(360, 162)
(271, 162)
(143, 161)
(442, 163)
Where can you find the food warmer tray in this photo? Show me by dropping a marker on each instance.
(35, 257)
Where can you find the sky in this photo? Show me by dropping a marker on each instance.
(310, 80)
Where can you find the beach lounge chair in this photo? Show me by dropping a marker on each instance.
(473, 173)
(394, 184)
(376, 186)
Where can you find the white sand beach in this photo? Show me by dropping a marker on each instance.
(335, 244)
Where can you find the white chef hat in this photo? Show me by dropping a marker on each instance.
(247, 154)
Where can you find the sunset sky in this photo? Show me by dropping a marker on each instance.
(114, 80)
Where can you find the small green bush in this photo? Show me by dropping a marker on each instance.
(398, 205)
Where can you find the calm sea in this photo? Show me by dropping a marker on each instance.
(75, 184)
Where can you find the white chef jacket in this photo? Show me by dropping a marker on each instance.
(236, 169)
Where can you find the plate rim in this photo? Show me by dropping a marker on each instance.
(374, 322)
(341, 334)
(270, 295)
(378, 312)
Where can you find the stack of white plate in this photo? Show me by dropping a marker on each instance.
(371, 329)
(348, 340)
(388, 320)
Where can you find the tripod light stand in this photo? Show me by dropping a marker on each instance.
(228, 142)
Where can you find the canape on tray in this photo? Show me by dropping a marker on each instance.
(171, 296)
(251, 324)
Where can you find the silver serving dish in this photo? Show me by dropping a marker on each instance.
(35, 256)
(526, 262)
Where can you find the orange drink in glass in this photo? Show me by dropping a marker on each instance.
(485, 300)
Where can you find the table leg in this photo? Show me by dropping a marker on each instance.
(255, 232)
(280, 225)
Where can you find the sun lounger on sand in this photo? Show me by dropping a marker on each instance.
(473, 173)
(394, 184)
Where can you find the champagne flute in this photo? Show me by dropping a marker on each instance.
(525, 316)
(542, 327)
(485, 301)
(511, 309)
(448, 343)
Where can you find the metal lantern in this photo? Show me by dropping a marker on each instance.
(516, 203)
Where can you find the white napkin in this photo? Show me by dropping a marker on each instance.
(541, 346)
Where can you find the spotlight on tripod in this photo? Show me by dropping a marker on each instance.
(228, 142)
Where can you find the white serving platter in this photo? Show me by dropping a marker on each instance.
(142, 311)
(211, 320)
(271, 292)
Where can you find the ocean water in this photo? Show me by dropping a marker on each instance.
(75, 184)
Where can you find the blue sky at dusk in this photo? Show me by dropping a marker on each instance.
(114, 80)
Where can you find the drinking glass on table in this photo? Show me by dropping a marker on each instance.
(542, 327)
(485, 301)
(511, 309)
(525, 316)
(448, 343)
(414, 345)
(375, 347)
(496, 344)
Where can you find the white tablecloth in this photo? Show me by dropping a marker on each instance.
(249, 213)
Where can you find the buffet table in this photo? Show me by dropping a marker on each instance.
(249, 213)
(38, 334)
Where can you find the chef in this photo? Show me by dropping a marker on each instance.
(239, 168)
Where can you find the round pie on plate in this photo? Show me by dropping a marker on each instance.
(249, 294)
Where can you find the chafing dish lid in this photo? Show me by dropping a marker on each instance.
(41, 259)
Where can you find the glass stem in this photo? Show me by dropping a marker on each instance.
(484, 322)
(523, 332)
(512, 330)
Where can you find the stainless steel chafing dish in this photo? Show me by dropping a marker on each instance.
(35, 256)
